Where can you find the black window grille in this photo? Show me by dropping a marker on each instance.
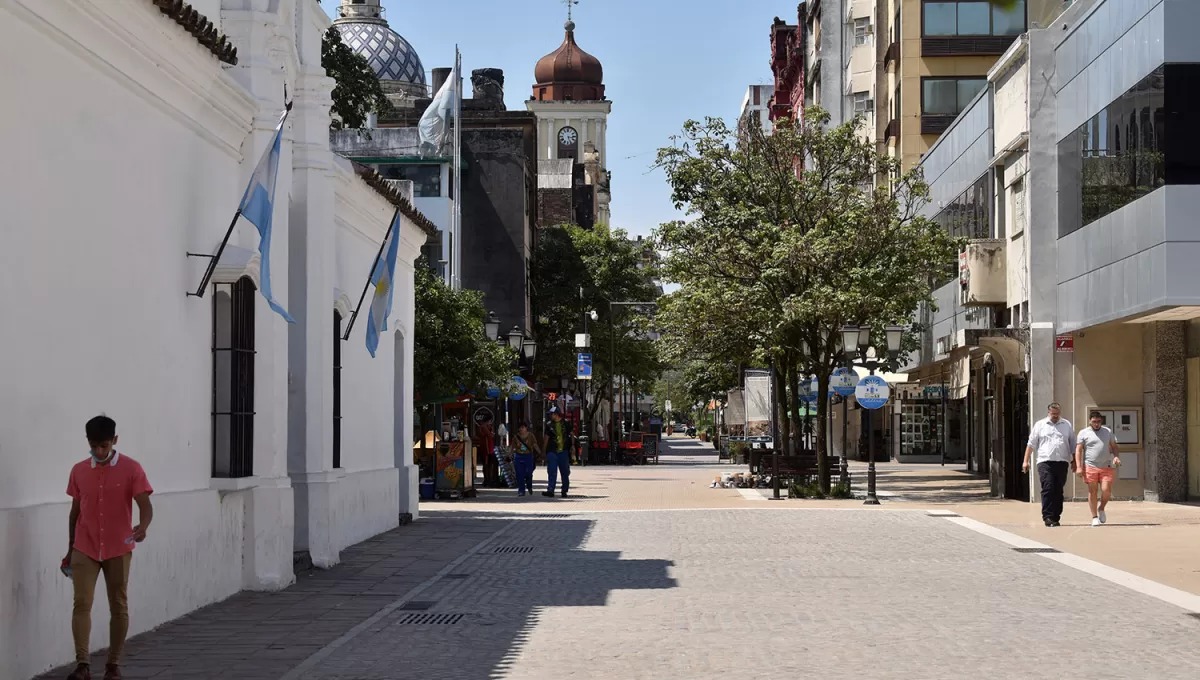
(337, 390)
(233, 379)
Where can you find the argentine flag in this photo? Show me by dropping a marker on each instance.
(258, 206)
(381, 279)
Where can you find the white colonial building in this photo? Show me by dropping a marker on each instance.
(128, 143)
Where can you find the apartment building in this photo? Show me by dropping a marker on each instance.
(1078, 284)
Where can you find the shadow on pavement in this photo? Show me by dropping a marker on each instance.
(470, 620)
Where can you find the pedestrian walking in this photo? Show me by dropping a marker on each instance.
(1096, 455)
(103, 489)
(558, 453)
(525, 447)
(485, 443)
(1054, 441)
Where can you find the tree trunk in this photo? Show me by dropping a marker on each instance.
(822, 430)
(797, 442)
(779, 397)
(785, 402)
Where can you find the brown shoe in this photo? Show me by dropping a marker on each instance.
(112, 672)
(81, 672)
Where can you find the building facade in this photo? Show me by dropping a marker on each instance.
(265, 441)
(1076, 284)
(756, 108)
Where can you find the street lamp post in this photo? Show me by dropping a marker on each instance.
(860, 338)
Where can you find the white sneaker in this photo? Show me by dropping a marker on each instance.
(1095, 521)
(1103, 518)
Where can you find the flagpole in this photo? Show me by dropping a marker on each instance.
(374, 266)
(456, 238)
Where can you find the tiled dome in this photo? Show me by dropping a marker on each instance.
(389, 54)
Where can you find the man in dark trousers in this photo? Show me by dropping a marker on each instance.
(1054, 441)
(558, 453)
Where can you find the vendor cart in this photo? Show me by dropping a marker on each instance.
(455, 465)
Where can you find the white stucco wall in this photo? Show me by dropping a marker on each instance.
(137, 152)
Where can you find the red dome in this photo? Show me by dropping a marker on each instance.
(568, 64)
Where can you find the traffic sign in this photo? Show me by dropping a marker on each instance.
(1064, 343)
(843, 381)
(517, 388)
(583, 370)
(872, 392)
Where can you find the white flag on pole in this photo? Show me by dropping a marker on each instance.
(435, 123)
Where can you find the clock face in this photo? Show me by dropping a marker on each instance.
(567, 136)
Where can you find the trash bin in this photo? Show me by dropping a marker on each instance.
(428, 489)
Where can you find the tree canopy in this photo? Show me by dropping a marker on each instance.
(451, 352)
(356, 91)
(577, 271)
(789, 236)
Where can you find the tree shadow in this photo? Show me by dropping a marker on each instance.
(414, 597)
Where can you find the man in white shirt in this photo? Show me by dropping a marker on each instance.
(1054, 441)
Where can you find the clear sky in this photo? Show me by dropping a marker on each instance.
(665, 61)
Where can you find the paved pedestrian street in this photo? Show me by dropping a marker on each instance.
(747, 588)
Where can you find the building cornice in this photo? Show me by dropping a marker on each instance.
(201, 28)
(381, 186)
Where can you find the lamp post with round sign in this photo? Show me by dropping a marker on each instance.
(872, 391)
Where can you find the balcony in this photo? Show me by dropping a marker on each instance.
(983, 268)
(892, 54)
(954, 46)
(892, 130)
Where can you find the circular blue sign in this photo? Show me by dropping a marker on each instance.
(872, 392)
(807, 392)
(517, 387)
(843, 381)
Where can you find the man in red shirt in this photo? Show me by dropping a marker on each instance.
(103, 489)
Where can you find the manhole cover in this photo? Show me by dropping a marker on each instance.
(513, 549)
(430, 619)
(416, 606)
(1037, 550)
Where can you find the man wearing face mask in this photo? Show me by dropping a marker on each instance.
(103, 489)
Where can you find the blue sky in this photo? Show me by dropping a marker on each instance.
(665, 61)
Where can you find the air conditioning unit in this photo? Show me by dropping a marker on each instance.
(983, 273)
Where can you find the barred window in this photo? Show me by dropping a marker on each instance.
(233, 379)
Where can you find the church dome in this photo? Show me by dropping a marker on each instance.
(569, 64)
(365, 31)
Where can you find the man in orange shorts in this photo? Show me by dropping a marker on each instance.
(1095, 458)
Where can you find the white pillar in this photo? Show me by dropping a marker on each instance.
(310, 339)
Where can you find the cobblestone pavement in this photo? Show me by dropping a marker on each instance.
(761, 589)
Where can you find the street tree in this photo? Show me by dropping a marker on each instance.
(799, 231)
(451, 352)
(356, 90)
(577, 271)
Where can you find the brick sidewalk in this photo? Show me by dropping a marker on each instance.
(261, 635)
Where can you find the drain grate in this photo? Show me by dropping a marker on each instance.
(416, 606)
(1037, 550)
(430, 619)
(509, 549)
(552, 515)
(457, 576)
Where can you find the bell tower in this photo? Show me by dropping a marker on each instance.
(572, 111)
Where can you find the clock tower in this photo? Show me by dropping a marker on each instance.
(572, 114)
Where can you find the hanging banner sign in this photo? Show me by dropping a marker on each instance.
(583, 369)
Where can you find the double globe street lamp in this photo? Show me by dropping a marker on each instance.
(515, 339)
(871, 392)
